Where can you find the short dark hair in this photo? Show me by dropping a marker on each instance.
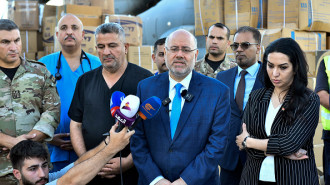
(8, 25)
(158, 43)
(255, 32)
(26, 149)
(298, 89)
(222, 26)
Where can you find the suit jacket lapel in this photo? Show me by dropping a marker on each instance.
(262, 113)
(194, 89)
(164, 110)
(235, 110)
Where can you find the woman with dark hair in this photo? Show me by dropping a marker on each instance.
(279, 121)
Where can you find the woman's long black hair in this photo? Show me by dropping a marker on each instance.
(298, 90)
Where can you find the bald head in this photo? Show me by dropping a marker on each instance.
(182, 32)
(71, 16)
(70, 33)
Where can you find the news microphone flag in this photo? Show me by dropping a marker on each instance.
(148, 109)
(128, 109)
(116, 98)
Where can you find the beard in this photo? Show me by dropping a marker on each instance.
(25, 181)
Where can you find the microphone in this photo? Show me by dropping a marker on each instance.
(186, 95)
(166, 101)
(148, 109)
(126, 114)
(115, 101)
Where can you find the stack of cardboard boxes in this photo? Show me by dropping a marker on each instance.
(305, 21)
(26, 15)
(92, 13)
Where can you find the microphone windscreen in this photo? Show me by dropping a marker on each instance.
(130, 105)
(115, 101)
(150, 107)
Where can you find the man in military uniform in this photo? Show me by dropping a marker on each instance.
(29, 102)
(217, 42)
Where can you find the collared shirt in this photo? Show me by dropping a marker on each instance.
(185, 84)
(250, 78)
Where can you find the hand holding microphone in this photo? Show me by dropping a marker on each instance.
(126, 114)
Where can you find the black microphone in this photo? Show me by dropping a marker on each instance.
(166, 101)
(186, 95)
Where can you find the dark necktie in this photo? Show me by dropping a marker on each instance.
(239, 98)
(176, 109)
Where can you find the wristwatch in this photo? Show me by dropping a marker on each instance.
(244, 141)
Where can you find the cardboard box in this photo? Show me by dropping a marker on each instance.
(283, 14)
(49, 49)
(30, 56)
(268, 36)
(48, 29)
(40, 54)
(313, 59)
(89, 15)
(314, 15)
(29, 41)
(311, 83)
(25, 14)
(88, 44)
(318, 135)
(308, 41)
(318, 151)
(141, 56)
(328, 42)
(207, 13)
(108, 6)
(49, 10)
(78, 2)
(245, 13)
(132, 26)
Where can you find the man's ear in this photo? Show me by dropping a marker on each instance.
(17, 174)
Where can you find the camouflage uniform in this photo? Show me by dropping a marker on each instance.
(204, 68)
(29, 101)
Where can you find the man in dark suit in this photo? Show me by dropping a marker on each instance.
(241, 80)
(185, 141)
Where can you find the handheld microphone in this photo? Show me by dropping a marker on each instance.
(115, 101)
(148, 109)
(128, 109)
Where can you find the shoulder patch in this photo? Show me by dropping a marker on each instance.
(36, 62)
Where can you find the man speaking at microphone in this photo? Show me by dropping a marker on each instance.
(184, 142)
(90, 107)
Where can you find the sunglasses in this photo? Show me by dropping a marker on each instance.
(244, 45)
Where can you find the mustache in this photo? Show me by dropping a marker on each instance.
(69, 36)
(13, 52)
(108, 57)
(42, 179)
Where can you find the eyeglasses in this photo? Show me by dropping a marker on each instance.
(185, 50)
(244, 45)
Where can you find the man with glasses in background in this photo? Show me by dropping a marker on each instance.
(185, 141)
(241, 80)
(216, 60)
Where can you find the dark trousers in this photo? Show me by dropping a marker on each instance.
(326, 161)
(228, 177)
(266, 183)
